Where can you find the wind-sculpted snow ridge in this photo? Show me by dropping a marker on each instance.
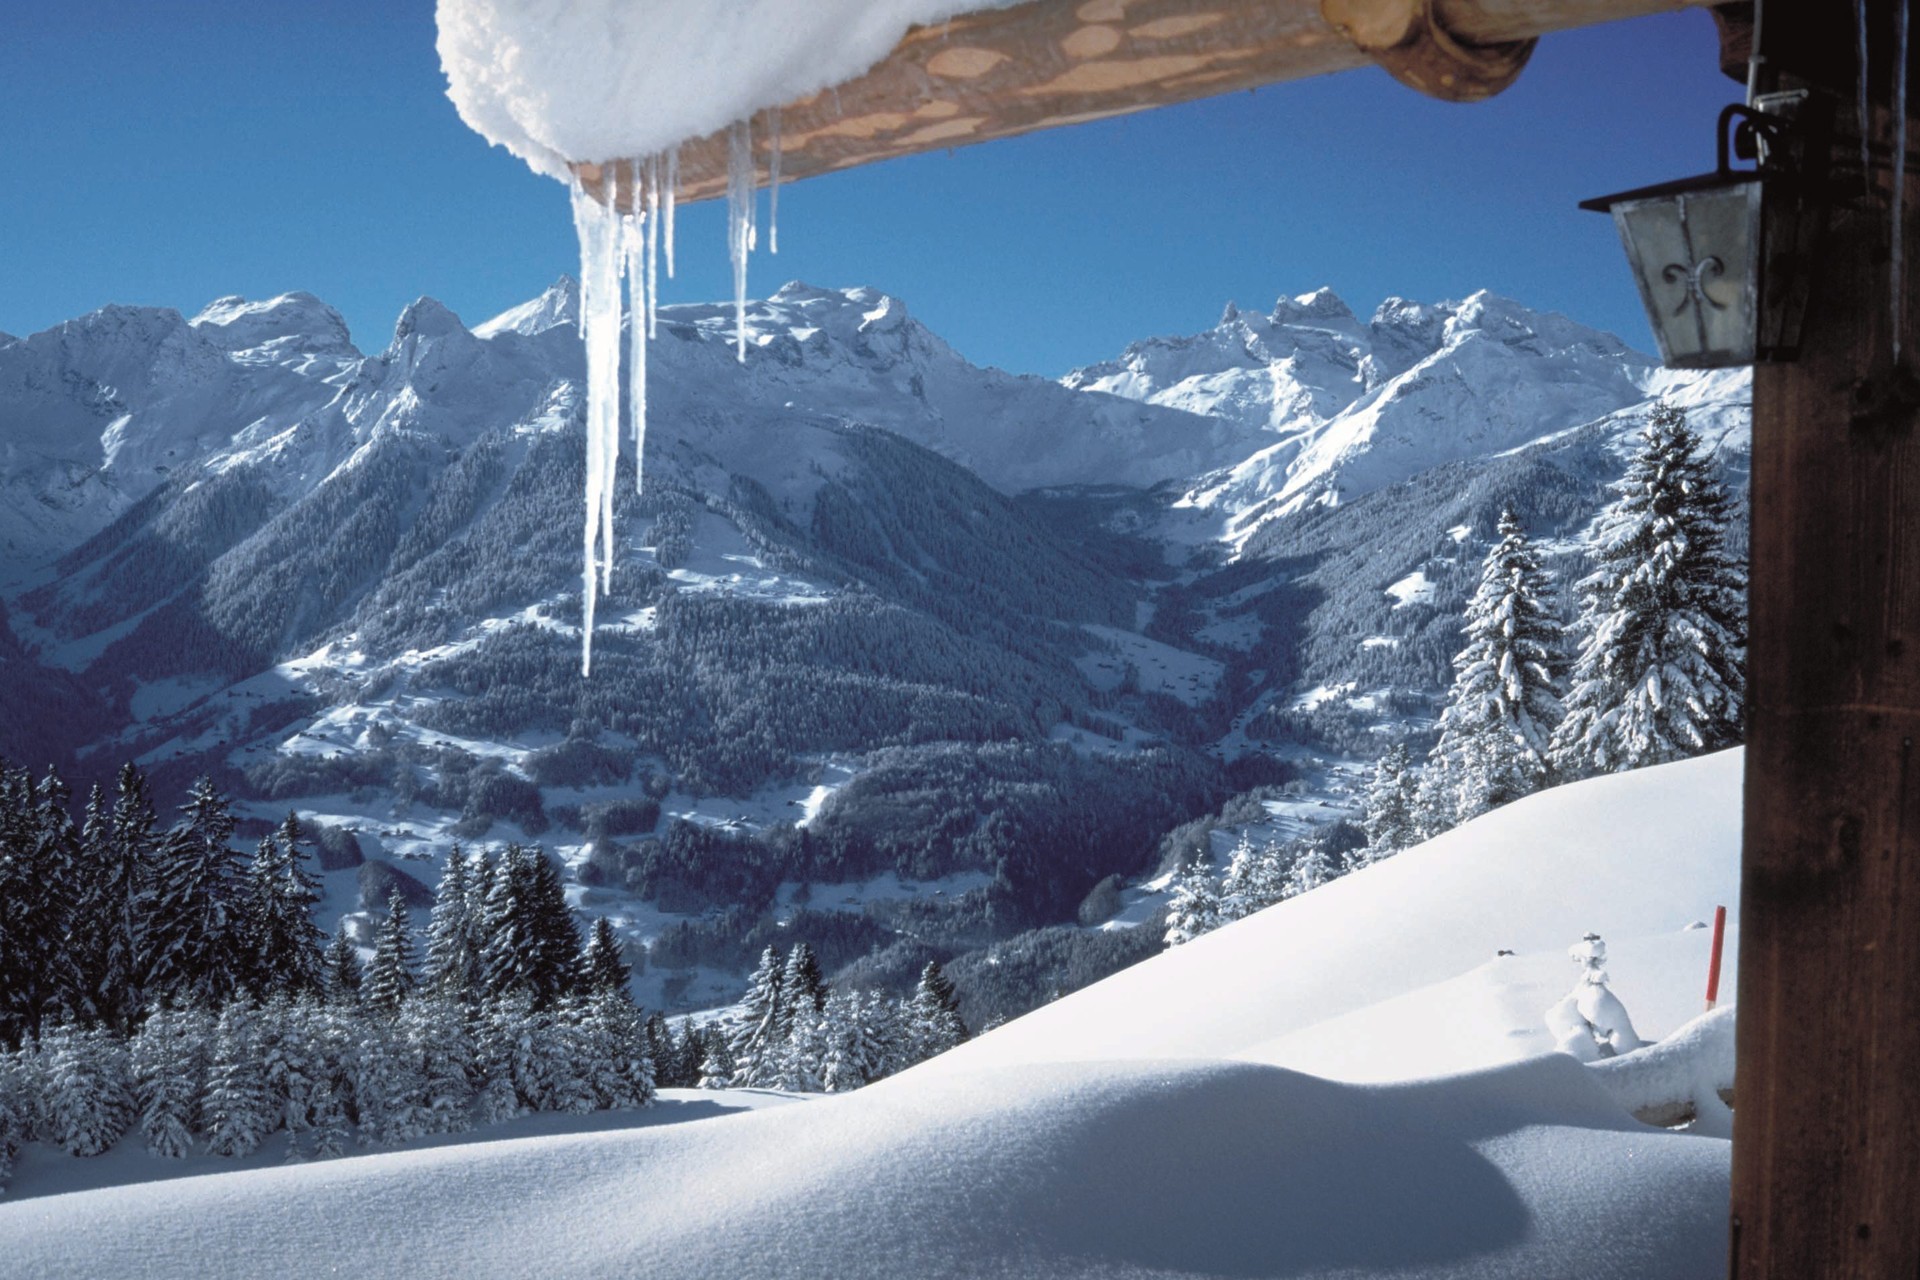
(1146, 1168)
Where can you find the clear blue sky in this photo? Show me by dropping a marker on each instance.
(171, 152)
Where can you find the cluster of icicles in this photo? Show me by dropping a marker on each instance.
(616, 245)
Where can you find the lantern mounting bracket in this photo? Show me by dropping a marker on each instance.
(1725, 261)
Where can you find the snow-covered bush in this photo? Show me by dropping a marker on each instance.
(1590, 1022)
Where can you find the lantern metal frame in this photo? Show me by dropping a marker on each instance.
(1724, 260)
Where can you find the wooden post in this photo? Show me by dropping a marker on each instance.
(1826, 1159)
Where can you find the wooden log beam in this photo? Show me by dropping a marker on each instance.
(1001, 72)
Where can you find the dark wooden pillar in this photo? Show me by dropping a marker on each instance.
(1826, 1161)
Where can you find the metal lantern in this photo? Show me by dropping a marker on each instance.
(1722, 259)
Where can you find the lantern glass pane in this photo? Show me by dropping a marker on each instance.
(1693, 257)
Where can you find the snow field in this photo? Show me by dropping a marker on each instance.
(1065, 1170)
(1632, 856)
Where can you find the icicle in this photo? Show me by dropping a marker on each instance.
(1862, 103)
(673, 186)
(597, 225)
(1894, 259)
(637, 233)
(653, 247)
(773, 181)
(740, 232)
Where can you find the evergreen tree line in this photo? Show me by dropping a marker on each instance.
(793, 1031)
(1257, 876)
(106, 918)
(1658, 671)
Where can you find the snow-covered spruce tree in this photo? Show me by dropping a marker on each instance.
(1661, 671)
(1312, 868)
(169, 1057)
(40, 862)
(1195, 906)
(615, 1034)
(603, 970)
(291, 945)
(802, 985)
(753, 1029)
(284, 1045)
(509, 1070)
(388, 1087)
(236, 1110)
(433, 1028)
(717, 1066)
(340, 969)
(1392, 819)
(12, 1116)
(88, 1100)
(935, 1012)
(804, 1052)
(1496, 731)
(1256, 878)
(389, 977)
(196, 935)
(121, 844)
(529, 942)
(452, 962)
(563, 1046)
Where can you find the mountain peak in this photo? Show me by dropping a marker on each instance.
(1322, 304)
(426, 318)
(234, 323)
(557, 305)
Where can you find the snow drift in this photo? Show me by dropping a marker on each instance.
(1016, 1156)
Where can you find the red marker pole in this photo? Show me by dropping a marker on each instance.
(1713, 965)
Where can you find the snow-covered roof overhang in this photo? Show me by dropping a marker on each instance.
(1001, 71)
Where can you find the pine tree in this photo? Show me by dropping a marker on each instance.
(803, 1052)
(40, 866)
(622, 1073)
(119, 847)
(196, 938)
(717, 1066)
(89, 1099)
(434, 1030)
(168, 1059)
(389, 1089)
(1392, 815)
(389, 977)
(802, 986)
(603, 970)
(1195, 906)
(340, 969)
(935, 1011)
(504, 1050)
(1256, 878)
(1497, 728)
(1311, 869)
(1660, 675)
(297, 944)
(289, 1070)
(452, 963)
(530, 943)
(753, 1030)
(236, 1110)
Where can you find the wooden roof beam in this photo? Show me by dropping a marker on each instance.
(1001, 72)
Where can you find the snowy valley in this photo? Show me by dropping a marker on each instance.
(1170, 599)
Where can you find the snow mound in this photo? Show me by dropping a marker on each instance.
(1149, 1168)
(1404, 952)
(538, 78)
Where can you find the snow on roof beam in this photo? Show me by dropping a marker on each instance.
(1000, 72)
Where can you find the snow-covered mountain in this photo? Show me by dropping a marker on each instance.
(1330, 407)
(870, 588)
